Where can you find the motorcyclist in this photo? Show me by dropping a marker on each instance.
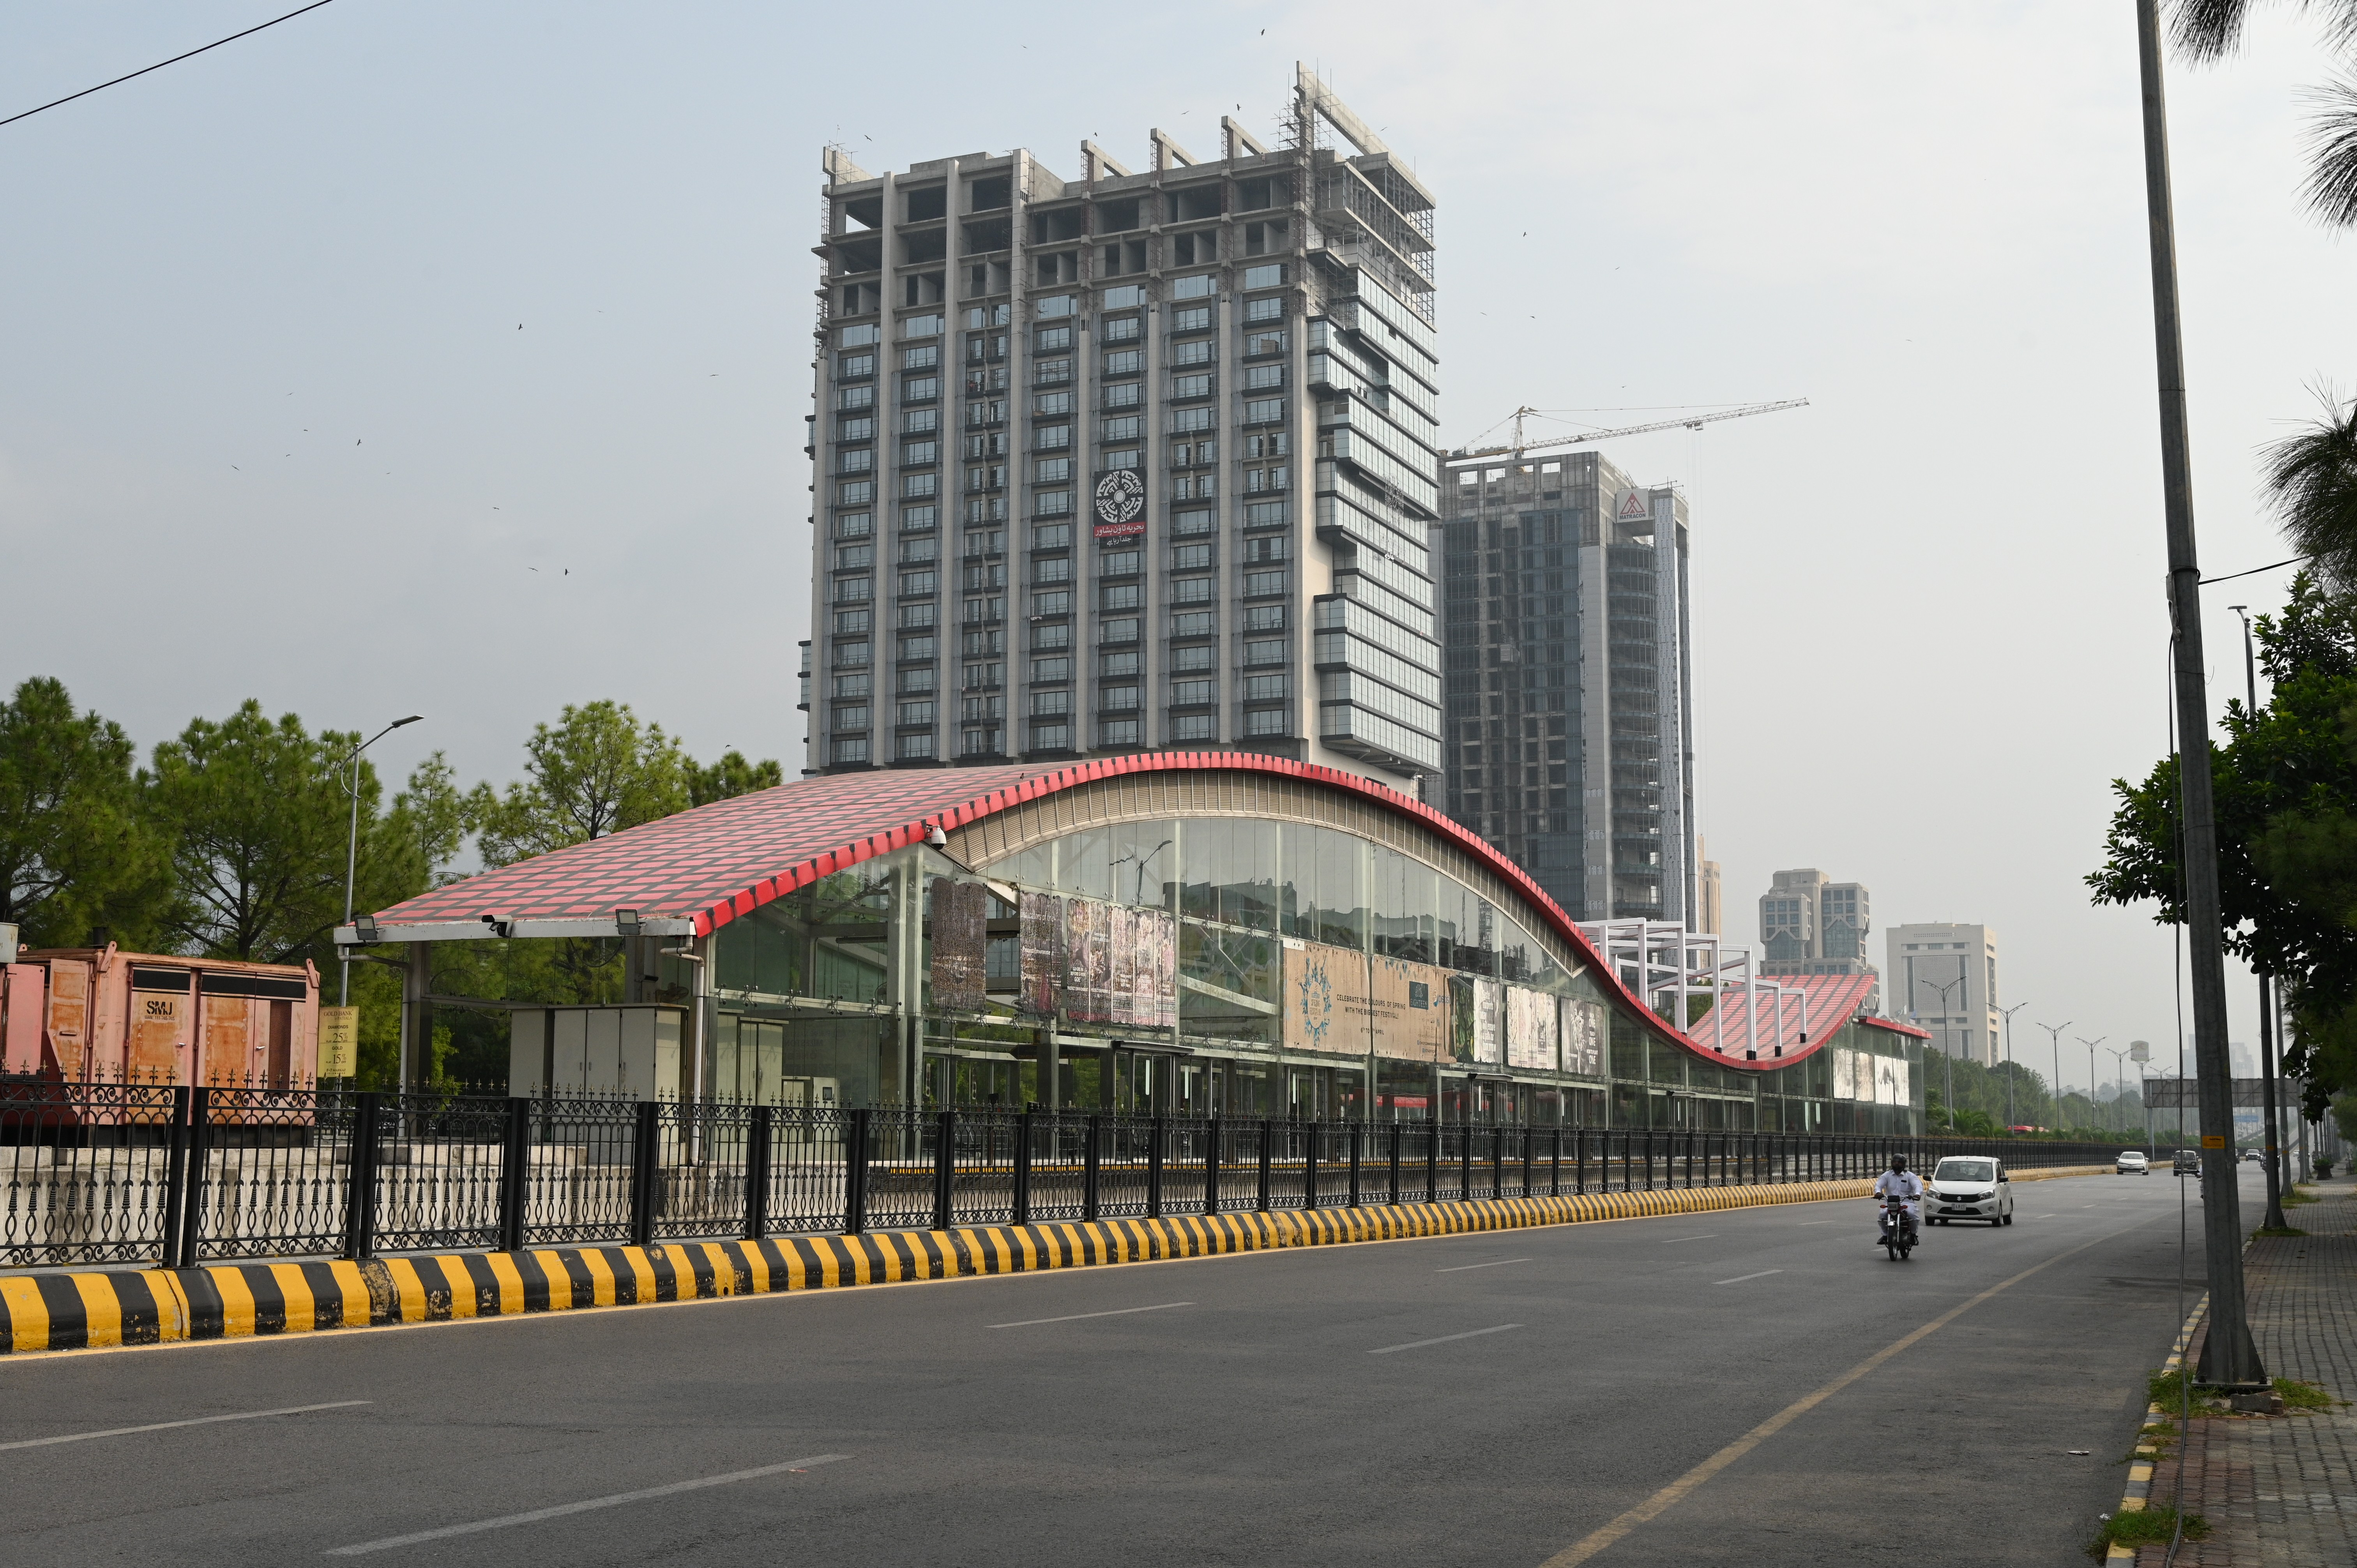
(1898, 1179)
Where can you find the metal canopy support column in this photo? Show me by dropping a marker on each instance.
(417, 1066)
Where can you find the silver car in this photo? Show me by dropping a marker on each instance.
(1969, 1186)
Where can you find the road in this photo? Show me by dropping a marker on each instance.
(1476, 1400)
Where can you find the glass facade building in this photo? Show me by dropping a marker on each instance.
(1134, 460)
(1179, 932)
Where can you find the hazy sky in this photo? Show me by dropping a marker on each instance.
(453, 358)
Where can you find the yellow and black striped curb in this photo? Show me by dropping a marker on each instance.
(221, 1301)
(2139, 1493)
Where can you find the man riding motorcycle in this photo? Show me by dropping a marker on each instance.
(1908, 1187)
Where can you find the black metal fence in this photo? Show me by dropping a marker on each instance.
(142, 1174)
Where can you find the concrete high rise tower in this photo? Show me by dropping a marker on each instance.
(1570, 737)
(1134, 460)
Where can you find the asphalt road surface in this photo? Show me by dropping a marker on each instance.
(1496, 1398)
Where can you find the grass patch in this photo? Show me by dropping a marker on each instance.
(2168, 1391)
(2298, 1395)
(2280, 1229)
(2293, 1196)
(2145, 1526)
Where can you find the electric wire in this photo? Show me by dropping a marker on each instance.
(2252, 573)
(162, 63)
(2176, 995)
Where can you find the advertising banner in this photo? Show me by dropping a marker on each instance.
(1042, 944)
(1409, 1011)
(961, 933)
(1583, 1037)
(1144, 984)
(1487, 1041)
(1844, 1073)
(1313, 1012)
(1532, 1020)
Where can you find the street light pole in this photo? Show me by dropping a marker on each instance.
(2230, 1357)
(1947, 1056)
(2091, 1045)
(352, 840)
(2119, 1082)
(2008, 1013)
(2274, 1137)
(2055, 1032)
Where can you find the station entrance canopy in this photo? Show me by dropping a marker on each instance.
(1173, 932)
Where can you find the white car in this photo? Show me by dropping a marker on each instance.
(1969, 1186)
(2132, 1163)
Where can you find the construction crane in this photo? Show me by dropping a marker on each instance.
(1695, 423)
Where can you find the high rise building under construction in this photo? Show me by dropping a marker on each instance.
(1129, 460)
(1569, 731)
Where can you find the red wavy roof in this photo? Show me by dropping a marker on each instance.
(709, 866)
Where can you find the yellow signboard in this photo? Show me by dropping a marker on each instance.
(2213, 1140)
(340, 1041)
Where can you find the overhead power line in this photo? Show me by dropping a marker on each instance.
(162, 63)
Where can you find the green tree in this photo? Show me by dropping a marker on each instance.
(2286, 789)
(79, 864)
(732, 776)
(258, 813)
(2209, 30)
(598, 771)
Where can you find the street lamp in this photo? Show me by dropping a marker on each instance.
(2119, 1081)
(2055, 1030)
(2273, 1139)
(2008, 1013)
(352, 841)
(2091, 1045)
(1946, 1056)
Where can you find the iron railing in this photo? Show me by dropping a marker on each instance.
(173, 1176)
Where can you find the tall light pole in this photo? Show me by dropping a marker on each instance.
(2092, 1107)
(2273, 1138)
(2055, 1032)
(2230, 1357)
(1946, 1056)
(2119, 1081)
(2008, 1013)
(352, 841)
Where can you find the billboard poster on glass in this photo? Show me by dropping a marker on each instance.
(1583, 1037)
(1409, 1011)
(1143, 989)
(1042, 944)
(1531, 1021)
(961, 935)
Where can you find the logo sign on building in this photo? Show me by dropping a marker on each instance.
(340, 1042)
(1120, 505)
(1635, 506)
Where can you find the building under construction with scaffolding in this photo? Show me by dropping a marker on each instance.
(1569, 736)
(1132, 460)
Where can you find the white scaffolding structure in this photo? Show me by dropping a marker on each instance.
(1659, 959)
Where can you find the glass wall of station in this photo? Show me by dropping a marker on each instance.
(1229, 965)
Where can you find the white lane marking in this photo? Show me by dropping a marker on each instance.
(1420, 1344)
(1806, 1223)
(1075, 1318)
(561, 1510)
(1676, 1239)
(1741, 1278)
(1494, 1264)
(167, 1425)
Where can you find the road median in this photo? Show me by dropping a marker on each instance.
(228, 1301)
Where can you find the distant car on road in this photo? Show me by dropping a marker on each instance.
(1969, 1187)
(2186, 1163)
(2251, 1158)
(2132, 1163)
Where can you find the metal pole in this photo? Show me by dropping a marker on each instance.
(2230, 1358)
(2009, 1117)
(352, 841)
(2273, 1138)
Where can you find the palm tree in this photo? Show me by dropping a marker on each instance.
(2206, 31)
(2311, 479)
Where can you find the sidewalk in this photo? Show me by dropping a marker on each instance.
(2282, 1489)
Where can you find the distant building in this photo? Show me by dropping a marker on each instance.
(1710, 894)
(1812, 926)
(1943, 977)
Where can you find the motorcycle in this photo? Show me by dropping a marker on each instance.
(1899, 1236)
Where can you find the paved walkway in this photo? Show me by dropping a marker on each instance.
(2282, 1489)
